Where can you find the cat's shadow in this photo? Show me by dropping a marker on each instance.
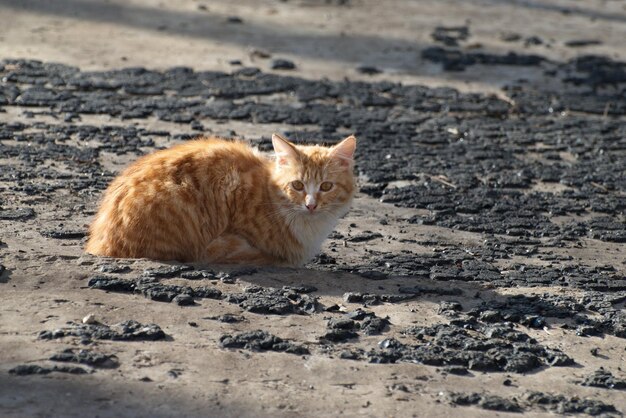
(328, 283)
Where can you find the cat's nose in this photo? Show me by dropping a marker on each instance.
(311, 207)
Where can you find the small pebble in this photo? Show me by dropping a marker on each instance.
(183, 300)
(197, 126)
(510, 37)
(533, 40)
(234, 19)
(368, 69)
(89, 319)
(282, 64)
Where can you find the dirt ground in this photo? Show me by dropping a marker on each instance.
(188, 373)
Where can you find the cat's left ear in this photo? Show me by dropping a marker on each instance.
(284, 150)
(344, 151)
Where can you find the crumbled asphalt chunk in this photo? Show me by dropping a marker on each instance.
(282, 64)
(234, 19)
(268, 300)
(533, 40)
(490, 402)
(31, 369)
(88, 357)
(373, 325)
(456, 370)
(417, 290)
(152, 289)
(451, 265)
(261, 341)
(471, 345)
(225, 278)
(183, 300)
(301, 288)
(364, 236)
(577, 43)
(256, 299)
(450, 36)
(449, 307)
(510, 37)
(162, 292)
(565, 405)
(16, 214)
(227, 318)
(373, 275)
(323, 259)
(370, 325)
(207, 293)
(532, 311)
(358, 314)
(244, 271)
(339, 335)
(111, 284)
(602, 378)
(198, 274)
(533, 401)
(455, 60)
(352, 297)
(597, 71)
(341, 323)
(368, 69)
(125, 331)
(64, 234)
(113, 268)
(343, 328)
(167, 271)
(349, 355)
(373, 299)
(526, 309)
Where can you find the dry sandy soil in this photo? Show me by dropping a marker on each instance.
(188, 374)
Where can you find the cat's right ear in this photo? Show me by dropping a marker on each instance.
(285, 150)
(344, 151)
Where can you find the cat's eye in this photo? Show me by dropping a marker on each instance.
(326, 186)
(297, 185)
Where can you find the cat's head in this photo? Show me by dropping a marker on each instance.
(314, 178)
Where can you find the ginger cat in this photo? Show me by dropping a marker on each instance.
(220, 201)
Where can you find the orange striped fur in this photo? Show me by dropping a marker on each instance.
(221, 201)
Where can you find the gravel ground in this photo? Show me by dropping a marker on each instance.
(481, 270)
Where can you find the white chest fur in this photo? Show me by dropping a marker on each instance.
(312, 229)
